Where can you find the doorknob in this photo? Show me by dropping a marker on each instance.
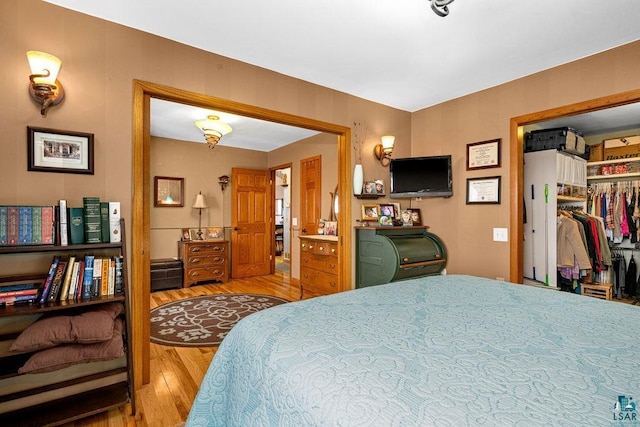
(304, 230)
(235, 228)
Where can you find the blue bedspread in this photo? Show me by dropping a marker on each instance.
(436, 351)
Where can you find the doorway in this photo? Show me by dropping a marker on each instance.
(282, 219)
(140, 247)
(516, 155)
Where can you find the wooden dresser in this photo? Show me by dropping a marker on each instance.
(319, 274)
(204, 261)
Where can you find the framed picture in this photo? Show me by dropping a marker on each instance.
(331, 228)
(405, 217)
(396, 208)
(483, 190)
(483, 155)
(214, 233)
(385, 220)
(416, 218)
(370, 212)
(50, 150)
(185, 235)
(388, 210)
(168, 192)
(370, 187)
(379, 186)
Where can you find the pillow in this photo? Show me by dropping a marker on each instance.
(62, 356)
(93, 325)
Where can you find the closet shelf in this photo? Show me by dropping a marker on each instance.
(614, 177)
(571, 199)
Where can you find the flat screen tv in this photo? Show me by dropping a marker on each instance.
(421, 177)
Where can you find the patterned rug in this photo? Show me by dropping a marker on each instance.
(204, 321)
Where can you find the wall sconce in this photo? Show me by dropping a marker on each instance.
(213, 129)
(223, 181)
(45, 89)
(200, 203)
(383, 151)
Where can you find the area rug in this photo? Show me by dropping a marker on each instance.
(204, 321)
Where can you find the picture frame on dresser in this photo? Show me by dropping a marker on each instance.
(61, 151)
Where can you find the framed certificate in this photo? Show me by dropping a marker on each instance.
(483, 190)
(483, 155)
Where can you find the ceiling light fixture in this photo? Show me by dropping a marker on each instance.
(440, 7)
(213, 129)
(45, 89)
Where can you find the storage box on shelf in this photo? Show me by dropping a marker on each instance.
(597, 290)
(82, 387)
(614, 170)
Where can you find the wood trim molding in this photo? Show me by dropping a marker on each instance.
(517, 163)
(140, 234)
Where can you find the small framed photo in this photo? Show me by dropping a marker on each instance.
(370, 187)
(385, 220)
(416, 218)
(63, 151)
(483, 155)
(388, 210)
(214, 233)
(396, 207)
(405, 217)
(379, 186)
(483, 190)
(370, 212)
(331, 228)
(186, 236)
(168, 192)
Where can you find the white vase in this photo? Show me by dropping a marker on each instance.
(357, 180)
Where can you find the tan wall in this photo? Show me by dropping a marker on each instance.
(100, 60)
(448, 127)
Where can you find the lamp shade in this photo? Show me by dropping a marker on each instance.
(387, 142)
(43, 63)
(200, 202)
(212, 126)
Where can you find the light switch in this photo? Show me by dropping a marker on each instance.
(294, 222)
(500, 235)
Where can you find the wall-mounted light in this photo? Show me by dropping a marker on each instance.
(440, 7)
(213, 129)
(45, 89)
(223, 181)
(383, 151)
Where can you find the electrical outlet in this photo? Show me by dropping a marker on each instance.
(500, 235)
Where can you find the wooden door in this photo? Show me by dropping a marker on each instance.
(251, 237)
(310, 194)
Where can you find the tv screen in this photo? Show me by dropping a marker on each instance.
(421, 177)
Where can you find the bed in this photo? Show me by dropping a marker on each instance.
(440, 351)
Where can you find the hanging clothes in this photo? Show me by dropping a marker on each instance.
(631, 278)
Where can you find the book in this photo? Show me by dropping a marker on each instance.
(64, 290)
(96, 284)
(104, 221)
(19, 287)
(48, 225)
(119, 282)
(78, 295)
(114, 222)
(36, 225)
(104, 281)
(17, 299)
(87, 277)
(73, 285)
(58, 279)
(63, 224)
(92, 221)
(33, 292)
(111, 289)
(3, 226)
(12, 225)
(46, 288)
(76, 225)
(25, 227)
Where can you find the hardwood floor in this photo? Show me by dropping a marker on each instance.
(176, 372)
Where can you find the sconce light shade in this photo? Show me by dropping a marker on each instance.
(45, 89)
(213, 129)
(383, 151)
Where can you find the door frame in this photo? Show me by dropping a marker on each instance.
(140, 211)
(516, 155)
(272, 175)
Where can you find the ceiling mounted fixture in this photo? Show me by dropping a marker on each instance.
(45, 89)
(440, 7)
(213, 129)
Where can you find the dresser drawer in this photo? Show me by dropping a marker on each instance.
(318, 282)
(322, 263)
(198, 248)
(198, 274)
(200, 260)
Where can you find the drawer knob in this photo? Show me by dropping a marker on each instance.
(333, 250)
(321, 248)
(310, 246)
(304, 245)
(405, 259)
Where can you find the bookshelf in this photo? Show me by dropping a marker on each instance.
(76, 391)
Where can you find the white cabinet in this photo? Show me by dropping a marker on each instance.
(552, 179)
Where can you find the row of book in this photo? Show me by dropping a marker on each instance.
(82, 278)
(19, 293)
(94, 222)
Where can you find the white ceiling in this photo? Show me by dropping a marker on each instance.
(398, 53)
